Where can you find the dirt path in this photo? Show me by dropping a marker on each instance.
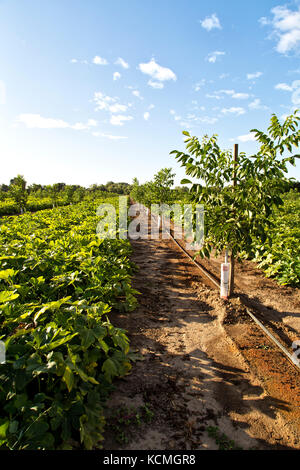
(193, 375)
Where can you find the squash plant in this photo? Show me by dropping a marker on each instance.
(58, 284)
(280, 256)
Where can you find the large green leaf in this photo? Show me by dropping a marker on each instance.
(68, 378)
(7, 296)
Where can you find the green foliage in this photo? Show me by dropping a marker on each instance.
(279, 257)
(223, 442)
(161, 187)
(18, 192)
(40, 200)
(122, 421)
(237, 216)
(58, 283)
(18, 198)
(78, 195)
(157, 191)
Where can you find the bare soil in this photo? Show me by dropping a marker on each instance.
(278, 303)
(204, 361)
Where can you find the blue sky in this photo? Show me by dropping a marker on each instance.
(92, 90)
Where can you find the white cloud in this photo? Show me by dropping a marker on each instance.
(122, 63)
(240, 96)
(185, 124)
(199, 84)
(36, 121)
(212, 57)
(118, 119)
(79, 126)
(227, 92)
(296, 94)
(76, 61)
(256, 104)
(156, 71)
(202, 119)
(137, 94)
(103, 100)
(151, 106)
(214, 96)
(247, 137)
(156, 85)
(283, 87)
(223, 75)
(252, 76)
(193, 118)
(117, 108)
(233, 110)
(2, 92)
(146, 116)
(208, 120)
(286, 87)
(116, 76)
(92, 123)
(289, 41)
(286, 28)
(108, 103)
(294, 88)
(211, 22)
(99, 60)
(175, 115)
(109, 136)
(263, 21)
(218, 95)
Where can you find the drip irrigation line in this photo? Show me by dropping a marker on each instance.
(289, 356)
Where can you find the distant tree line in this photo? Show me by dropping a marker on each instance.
(157, 190)
(19, 192)
(39, 189)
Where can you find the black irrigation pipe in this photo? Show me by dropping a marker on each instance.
(202, 269)
(289, 356)
(216, 283)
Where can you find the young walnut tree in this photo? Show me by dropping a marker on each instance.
(235, 215)
(18, 192)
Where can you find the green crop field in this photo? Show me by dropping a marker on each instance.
(58, 282)
(280, 257)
